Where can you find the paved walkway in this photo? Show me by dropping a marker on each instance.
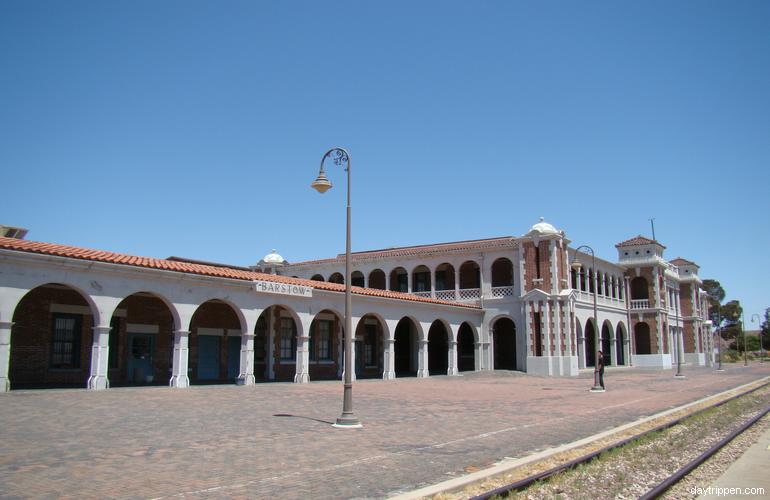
(275, 439)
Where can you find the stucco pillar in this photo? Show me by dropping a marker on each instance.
(452, 353)
(301, 375)
(387, 281)
(408, 282)
(422, 359)
(246, 374)
(457, 283)
(389, 359)
(5, 355)
(179, 376)
(100, 355)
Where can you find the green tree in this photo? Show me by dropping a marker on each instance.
(765, 330)
(716, 294)
(731, 319)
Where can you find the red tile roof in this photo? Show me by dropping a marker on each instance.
(201, 269)
(683, 262)
(416, 250)
(637, 240)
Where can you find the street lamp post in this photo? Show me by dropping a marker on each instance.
(761, 344)
(347, 420)
(745, 346)
(576, 265)
(719, 329)
(679, 346)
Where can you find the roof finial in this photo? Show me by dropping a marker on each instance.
(542, 219)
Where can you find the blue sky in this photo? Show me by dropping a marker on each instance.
(194, 128)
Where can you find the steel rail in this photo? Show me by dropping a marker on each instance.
(678, 475)
(521, 484)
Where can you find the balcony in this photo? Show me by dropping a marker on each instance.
(640, 304)
(499, 292)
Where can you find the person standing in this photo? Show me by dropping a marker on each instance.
(600, 360)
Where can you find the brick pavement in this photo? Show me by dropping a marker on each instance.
(275, 439)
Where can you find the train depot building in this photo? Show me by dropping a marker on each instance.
(76, 317)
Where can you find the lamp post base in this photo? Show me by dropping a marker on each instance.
(679, 376)
(348, 422)
(597, 388)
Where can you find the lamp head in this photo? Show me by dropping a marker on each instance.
(576, 265)
(321, 183)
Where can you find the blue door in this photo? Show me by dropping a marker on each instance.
(208, 357)
(233, 357)
(140, 354)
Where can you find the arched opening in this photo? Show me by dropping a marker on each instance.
(642, 338)
(466, 349)
(591, 281)
(51, 339)
(590, 343)
(580, 344)
(421, 279)
(620, 345)
(324, 346)
(639, 289)
(317, 277)
(607, 344)
(141, 341)
(445, 277)
(599, 283)
(405, 348)
(277, 360)
(502, 272)
(377, 279)
(369, 347)
(357, 278)
(399, 280)
(337, 278)
(574, 279)
(438, 349)
(582, 279)
(505, 344)
(470, 276)
(215, 344)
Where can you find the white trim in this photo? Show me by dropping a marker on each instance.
(141, 328)
(232, 332)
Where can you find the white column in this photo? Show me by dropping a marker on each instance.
(366, 280)
(5, 355)
(100, 354)
(422, 359)
(545, 326)
(246, 375)
(452, 353)
(457, 283)
(389, 359)
(179, 376)
(408, 282)
(387, 281)
(301, 375)
(554, 261)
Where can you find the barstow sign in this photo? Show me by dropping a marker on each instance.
(283, 288)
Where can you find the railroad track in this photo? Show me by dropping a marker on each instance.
(661, 487)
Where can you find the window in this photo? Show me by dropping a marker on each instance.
(65, 344)
(370, 346)
(114, 343)
(288, 340)
(324, 340)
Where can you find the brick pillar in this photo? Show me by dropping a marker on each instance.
(5, 355)
(179, 376)
(100, 356)
(246, 375)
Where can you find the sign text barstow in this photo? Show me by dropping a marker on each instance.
(283, 288)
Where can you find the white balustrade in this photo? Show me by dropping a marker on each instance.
(502, 291)
(469, 294)
(422, 294)
(640, 303)
(448, 295)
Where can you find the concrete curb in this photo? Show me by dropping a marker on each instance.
(512, 463)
